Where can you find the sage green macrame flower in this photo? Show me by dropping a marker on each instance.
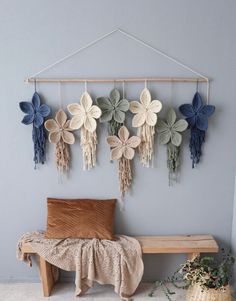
(171, 129)
(169, 133)
(113, 110)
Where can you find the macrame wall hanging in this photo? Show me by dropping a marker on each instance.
(84, 118)
(197, 115)
(169, 134)
(123, 150)
(113, 110)
(60, 135)
(145, 120)
(35, 115)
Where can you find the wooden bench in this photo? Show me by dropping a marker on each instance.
(192, 245)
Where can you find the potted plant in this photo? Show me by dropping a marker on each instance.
(205, 278)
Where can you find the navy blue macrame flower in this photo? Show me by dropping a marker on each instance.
(35, 114)
(197, 115)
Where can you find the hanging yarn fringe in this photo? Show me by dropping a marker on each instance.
(173, 161)
(146, 147)
(125, 175)
(197, 139)
(113, 127)
(62, 157)
(39, 140)
(89, 145)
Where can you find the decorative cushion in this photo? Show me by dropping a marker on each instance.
(80, 218)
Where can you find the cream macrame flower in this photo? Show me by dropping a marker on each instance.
(123, 151)
(84, 118)
(60, 134)
(145, 119)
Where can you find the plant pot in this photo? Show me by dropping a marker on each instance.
(195, 293)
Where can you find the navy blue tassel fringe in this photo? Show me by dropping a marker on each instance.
(196, 141)
(39, 139)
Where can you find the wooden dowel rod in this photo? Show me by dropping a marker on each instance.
(117, 80)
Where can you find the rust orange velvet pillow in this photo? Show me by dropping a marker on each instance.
(80, 218)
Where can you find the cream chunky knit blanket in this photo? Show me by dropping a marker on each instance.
(116, 262)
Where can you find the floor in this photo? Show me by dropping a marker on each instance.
(65, 292)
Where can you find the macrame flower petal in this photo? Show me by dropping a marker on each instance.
(176, 138)
(171, 117)
(54, 137)
(123, 105)
(123, 134)
(116, 153)
(36, 100)
(145, 97)
(138, 120)
(76, 122)
(202, 122)
(119, 116)
(61, 117)
(180, 125)
(161, 126)
(106, 116)
(68, 137)
(155, 106)
(133, 141)
(44, 110)
(114, 96)
(90, 124)
(128, 153)
(28, 119)
(151, 118)
(187, 110)
(164, 137)
(67, 126)
(191, 121)
(114, 141)
(207, 110)
(104, 103)
(95, 112)
(75, 109)
(86, 101)
(51, 125)
(38, 120)
(197, 102)
(136, 107)
(27, 107)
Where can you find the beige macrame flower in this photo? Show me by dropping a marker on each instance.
(84, 118)
(145, 119)
(123, 151)
(60, 134)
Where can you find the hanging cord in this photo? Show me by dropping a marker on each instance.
(145, 83)
(60, 95)
(132, 37)
(35, 86)
(85, 86)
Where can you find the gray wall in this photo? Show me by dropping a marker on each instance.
(36, 33)
(233, 245)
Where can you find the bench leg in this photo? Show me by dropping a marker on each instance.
(49, 275)
(192, 256)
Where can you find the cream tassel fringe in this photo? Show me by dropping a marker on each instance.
(125, 175)
(89, 145)
(146, 147)
(62, 157)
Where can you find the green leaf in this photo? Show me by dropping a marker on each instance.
(123, 105)
(104, 103)
(180, 126)
(119, 116)
(161, 126)
(171, 117)
(106, 116)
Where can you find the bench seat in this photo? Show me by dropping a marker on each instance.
(192, 245)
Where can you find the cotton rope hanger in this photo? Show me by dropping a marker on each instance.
(201, 77)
